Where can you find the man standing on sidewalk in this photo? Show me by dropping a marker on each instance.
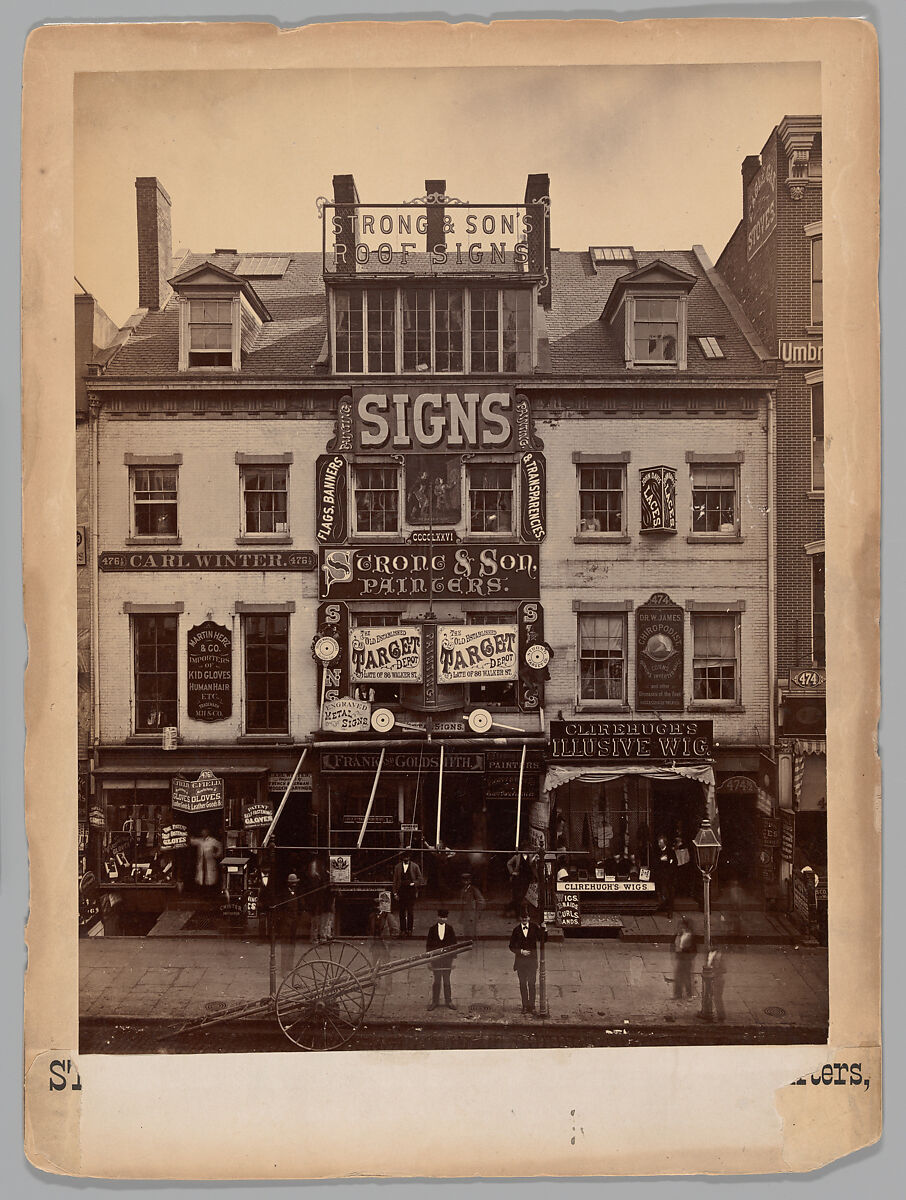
(441, 936)
(524, 942)
(407, 879)
(683, 954)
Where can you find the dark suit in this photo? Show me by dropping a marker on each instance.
(406, 885)
(441, 967)
(526, 965)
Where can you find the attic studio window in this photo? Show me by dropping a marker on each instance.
(655, 329)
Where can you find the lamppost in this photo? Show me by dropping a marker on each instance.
(707, 852)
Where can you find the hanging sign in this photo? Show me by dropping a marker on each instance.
(209, 672)
(658, 493)
(204, 794)
(533, 489)
(174, 837)
(385, 655)
(659, 629)
(770, 832)
(331, 499)
(401, 571)
(96, 817)
(330, 650)
(534, 657)
(340, 868)
(257, 813)
(345, 715)
(479, 653)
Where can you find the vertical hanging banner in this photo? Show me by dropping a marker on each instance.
(333, 622)
(534, 657)
(533, 490)
(659, 628)
(331, 504)
(658, 495)
(209, 672)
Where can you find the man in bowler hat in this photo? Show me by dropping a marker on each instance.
(440, 936)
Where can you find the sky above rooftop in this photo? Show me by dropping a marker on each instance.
(644, 156)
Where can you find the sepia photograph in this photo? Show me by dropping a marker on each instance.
(450, 627)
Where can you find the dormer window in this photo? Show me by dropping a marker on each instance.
(220, 314)
(650, 302)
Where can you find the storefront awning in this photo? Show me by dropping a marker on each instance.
(809, 746)
(557, 775)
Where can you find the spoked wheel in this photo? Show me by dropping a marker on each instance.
(320, 1004)
(349, 955)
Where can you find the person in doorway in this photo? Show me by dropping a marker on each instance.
(524, 942)
(208, 851)
(664, 862)
(441, 935)
(683, 866)
(317, 901)
(716, 963)
(521, 871)
(407, 880)
(471, 903)
(683, 957)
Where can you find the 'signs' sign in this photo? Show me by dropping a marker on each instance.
(477, 653)
(434, 421)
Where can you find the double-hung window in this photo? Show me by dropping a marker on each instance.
(154, 647)
(490, 498)
(602, 656)
(819, 644)
(655, 330)
(715, 655)
(601, 498)
(154, 500)
(817, 273)
(377, 499)
(715, 498)
(817, 397)
(210, 333)
(266, 645)
(441, 330)
(264, 498)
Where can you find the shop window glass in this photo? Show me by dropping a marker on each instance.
(154, 649)
(714, 499)
(377, 499)
(264, 492)
(136, 814)
(818, 622)
(266, 673)
(378, 693)
(715, 673)
(817, 255)
(493, 693)
(154, 501)
(600, 499)
(602, 656)
(655, 331)
(818, 437)
(490, 499)
(210, 333)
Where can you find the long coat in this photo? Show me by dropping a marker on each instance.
(526, 941)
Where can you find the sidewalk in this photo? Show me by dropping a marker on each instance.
(589, 982)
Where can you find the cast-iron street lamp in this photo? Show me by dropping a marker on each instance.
(707, 852)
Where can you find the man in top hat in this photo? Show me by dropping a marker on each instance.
(524, 942)
(407, 879)
(440, 936)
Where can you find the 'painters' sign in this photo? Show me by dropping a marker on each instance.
(477, 653)
(383, 571)
(386, 655)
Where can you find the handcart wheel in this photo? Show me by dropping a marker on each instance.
(320, 1004)
(347, 954)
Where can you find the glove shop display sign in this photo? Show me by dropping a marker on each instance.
(386, 655)
(479, 653)
(659, 626)
(257, 813)
(204, 794)
(209, 672)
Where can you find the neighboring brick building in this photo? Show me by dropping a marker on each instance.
(773, 262)
(364, 505)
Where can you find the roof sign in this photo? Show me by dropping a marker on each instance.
(710, 347)
(260, 265)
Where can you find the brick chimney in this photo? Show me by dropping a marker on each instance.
(435, 213)
(155, 243)
(538, 188)
(346, 198)
(751, 165)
